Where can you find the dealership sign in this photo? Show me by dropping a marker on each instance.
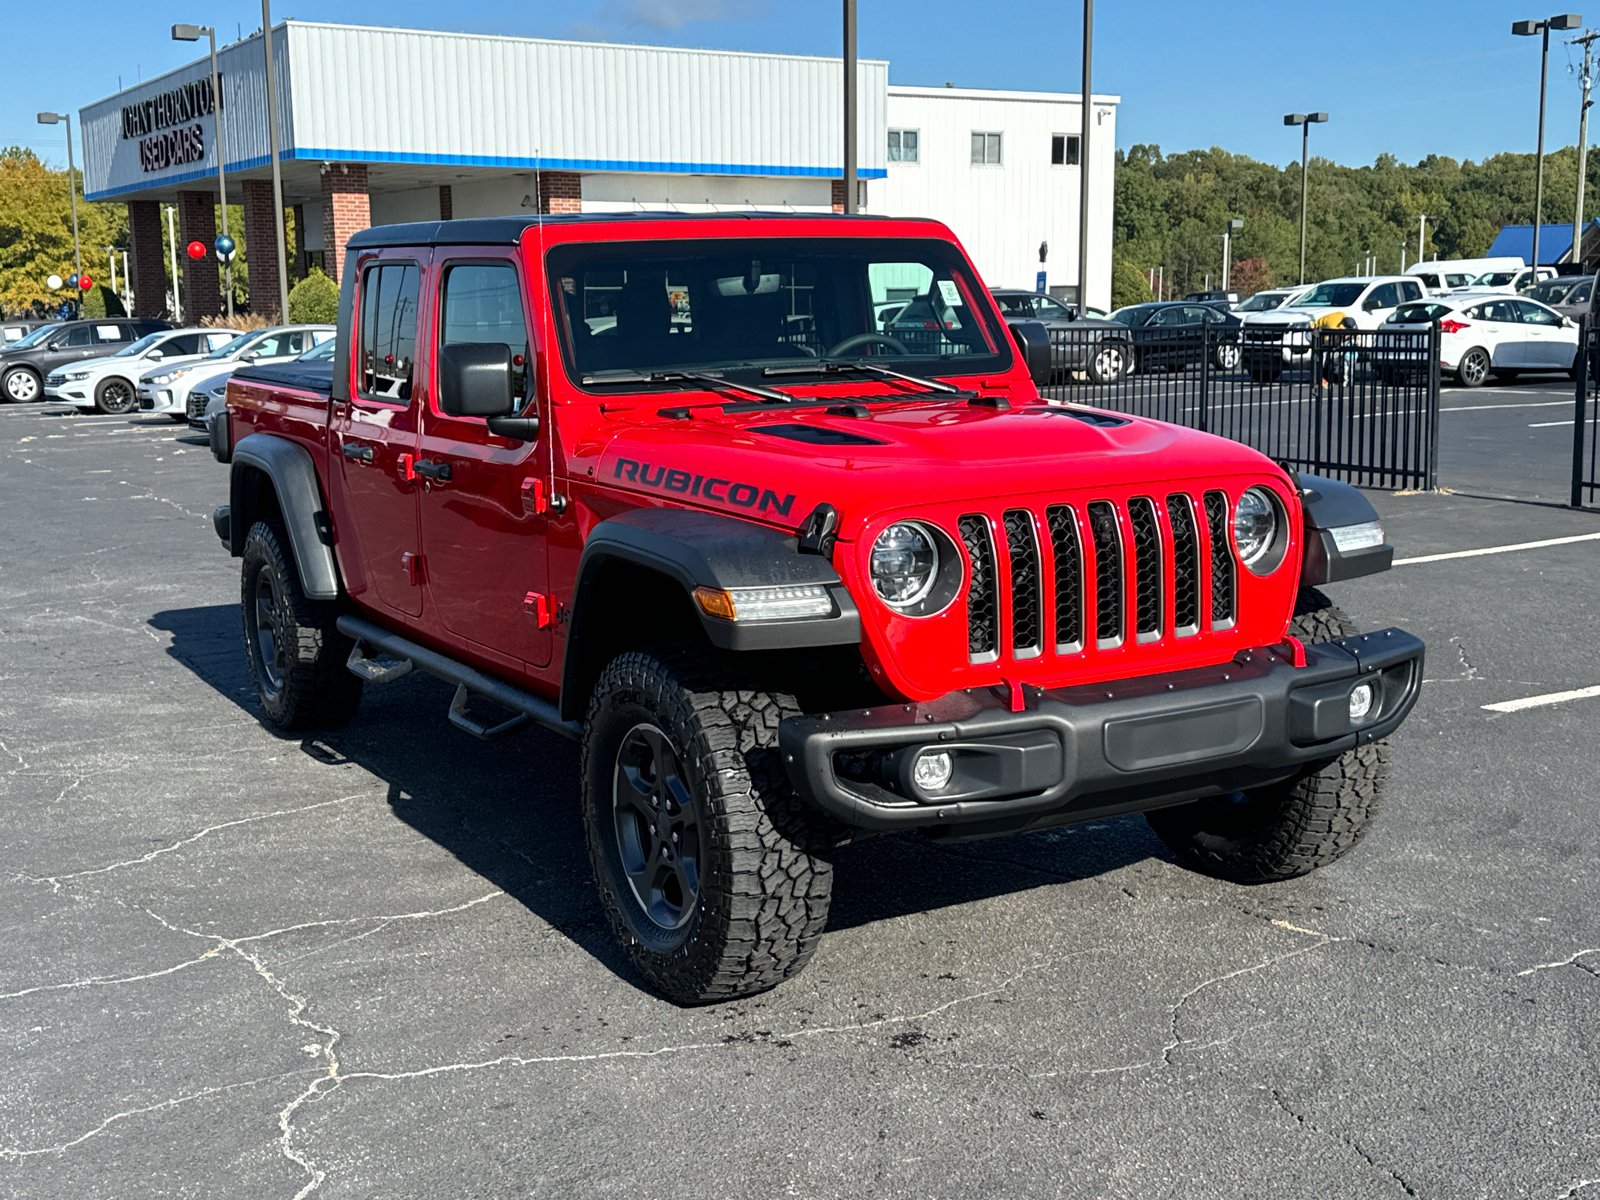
(151, 121)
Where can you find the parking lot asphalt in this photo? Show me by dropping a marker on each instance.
(370, 964)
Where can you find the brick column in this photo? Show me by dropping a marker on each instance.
(261, 248)
(147, 259)
(838, 195)
(346, 210)
(560, 192)
(447, 203)
(197, 222)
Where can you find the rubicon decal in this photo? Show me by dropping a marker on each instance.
(721, 491)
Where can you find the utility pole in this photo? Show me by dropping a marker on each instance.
(1422, 236)
(172, 244)
(277, 172)
(850, 204)
(191, 33)
(1083, 156)
(1587, 80)
(1529, 29)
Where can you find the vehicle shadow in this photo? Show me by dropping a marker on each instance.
(509, 810)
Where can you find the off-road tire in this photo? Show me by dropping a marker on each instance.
(114, 396)
(1292, 827)
(765, 875)
(306, 685)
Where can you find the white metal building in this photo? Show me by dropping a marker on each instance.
(384, 125)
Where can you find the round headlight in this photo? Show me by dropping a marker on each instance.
(1255, 526)
(905, 563)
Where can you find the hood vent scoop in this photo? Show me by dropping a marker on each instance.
(818, 435)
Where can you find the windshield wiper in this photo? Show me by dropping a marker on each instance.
(829, 366)
(709, 378)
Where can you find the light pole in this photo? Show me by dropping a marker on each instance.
(191, 33)
(1083, 157)
(277, 171)
(850, 204)
(1305, 121)
(1543, 28)
(1234, 225)
(172, 251)
(72, 183)
(1422, 235)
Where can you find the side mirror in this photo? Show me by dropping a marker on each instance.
(475, 381)
(1033, 339)
(1372, 305)
(155, 356)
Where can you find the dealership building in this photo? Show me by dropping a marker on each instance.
(378, 126)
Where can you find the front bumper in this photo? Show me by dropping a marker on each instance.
(162, 399)
(1076, 754)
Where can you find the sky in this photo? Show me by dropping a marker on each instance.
(1400, 78)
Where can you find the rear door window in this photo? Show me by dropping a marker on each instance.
(388, 335)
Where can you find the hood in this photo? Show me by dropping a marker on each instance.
(777, 465)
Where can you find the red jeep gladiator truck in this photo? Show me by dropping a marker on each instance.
(766, 511)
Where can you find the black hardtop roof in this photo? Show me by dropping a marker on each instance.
(493, 231)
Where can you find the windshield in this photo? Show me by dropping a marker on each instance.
(1331, 295)
(1551, 291)
(227, 349)
(34, 338)
(321, 350)
(1494, 279)
(1133, 316)
(747, 304)
(1262, 302)
(139, 347)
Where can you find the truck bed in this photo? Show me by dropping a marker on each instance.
(314, 376)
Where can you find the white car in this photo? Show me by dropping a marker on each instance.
(1279, 340)
(215, 390)
(1487, 333)
(109, 384)
(1269, 299)
(1508, 283)
(167, 389)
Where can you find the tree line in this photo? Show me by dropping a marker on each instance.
(1170, 210)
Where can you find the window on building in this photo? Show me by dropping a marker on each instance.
(986, 149)
(483, 305)
(388, 331)
(903, 145)
(1063, 150)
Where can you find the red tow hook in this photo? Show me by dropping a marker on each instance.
(1297, 650)
(1015, 700)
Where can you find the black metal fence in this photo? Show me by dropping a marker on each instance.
(1357, 405)
(1586, 421)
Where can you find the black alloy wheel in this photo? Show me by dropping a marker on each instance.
(115, 396)
(657, 826)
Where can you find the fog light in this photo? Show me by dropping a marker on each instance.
(932, 770)
(1360, 702)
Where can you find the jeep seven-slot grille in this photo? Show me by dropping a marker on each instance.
(1221, 560)
(1064, 546)
(1185, 565)
(983, 603)
(1027, 615)
(1047, 549)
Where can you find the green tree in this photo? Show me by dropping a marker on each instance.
(314, 300)
(36, 230)
(1128, 284)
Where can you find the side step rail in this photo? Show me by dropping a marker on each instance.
(469, 682)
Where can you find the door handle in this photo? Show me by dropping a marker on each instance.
(356, 453)
(438, 472)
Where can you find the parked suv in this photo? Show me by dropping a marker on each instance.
(108, 384)
(790, 579)
(24, 364)
(1280, 340)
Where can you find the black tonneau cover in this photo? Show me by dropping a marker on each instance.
(313, 376)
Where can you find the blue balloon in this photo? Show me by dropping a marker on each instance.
(224, 245)
(72, 281)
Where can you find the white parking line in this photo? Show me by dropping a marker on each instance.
(1548, 424)
(1485, 407)
(1560, 541)
(1511, 706)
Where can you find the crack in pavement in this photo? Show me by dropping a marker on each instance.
(1570, 960)
(55, 881)
(1576, 1188)
(1343, 1140)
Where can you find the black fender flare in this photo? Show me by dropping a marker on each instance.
(1327, 505)
(300, 501)
(703, 549)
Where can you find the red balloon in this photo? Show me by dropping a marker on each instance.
(84, 283)
(196, 250)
